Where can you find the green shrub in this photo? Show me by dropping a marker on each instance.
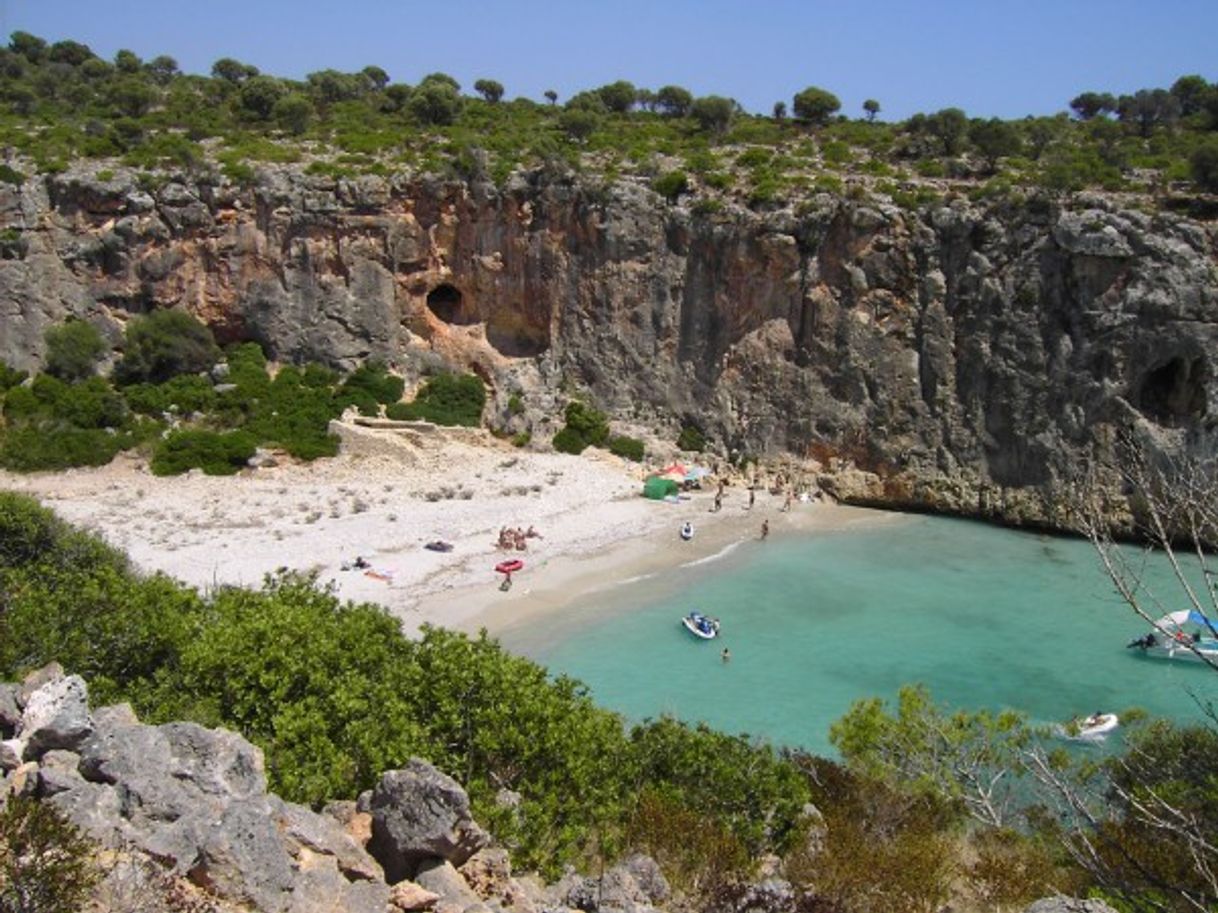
(691, 438)
(374, 379)
(10, 377)
(522, 438)
(630, 448)
(515, 404)
(10, 175)
(73, 350)
(34, 448)
(164, 344)
(671, 185)
(46, 863)
(447, 399)
(216, 453)
(569, 441)
(590, 424)
(186, 393)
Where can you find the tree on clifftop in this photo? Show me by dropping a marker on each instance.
(815, 105)
(674, 101)
(713, 113)
(1204, 164)
(231, 70)
(489, 89)
(1092, 104)
(872, 107)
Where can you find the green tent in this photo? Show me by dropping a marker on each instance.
(658, 488)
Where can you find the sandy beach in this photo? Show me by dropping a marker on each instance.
(385, 496)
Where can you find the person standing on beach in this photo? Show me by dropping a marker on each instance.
(786, 506)
(765, 529)
(752, 497)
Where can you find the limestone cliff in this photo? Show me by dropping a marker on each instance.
(964, 357)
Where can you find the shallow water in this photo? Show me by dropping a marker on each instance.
(985, 617)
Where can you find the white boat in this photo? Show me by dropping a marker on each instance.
(700, 625)
(1186, 634)
(1092, 728)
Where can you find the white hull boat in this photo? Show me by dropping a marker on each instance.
(701, 626)
(1094, 728)
(1186, 635)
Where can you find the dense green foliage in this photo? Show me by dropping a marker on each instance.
(162, 345)
(335, 694)
(630, 448)
(446, 399)
(73, 350)
(585, 427)
(216, 453)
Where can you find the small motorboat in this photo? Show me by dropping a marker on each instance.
(701, 626)
(1187, 634)
(1092, 728)
(687, 531)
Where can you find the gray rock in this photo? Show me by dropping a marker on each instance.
(10, 713)
(58, 772)
(51, 672)
(1068, 905)
(56, 715)
(11, 751)
(114, 715)
(618, 889)
(647, 875)
(440, 877)
(419, 813)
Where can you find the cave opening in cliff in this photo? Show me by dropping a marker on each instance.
(1175, 391)
(447, 303)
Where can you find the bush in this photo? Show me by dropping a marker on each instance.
(185, 393)
(671, 185)
(35, 449)
(569, 441)
(446, 399)
(630, 448)
(590, 424)
(216, 453)
(46, 864)
(374, 379)
(691, 438)
(164, 344)
(73, 350)
(10, 377)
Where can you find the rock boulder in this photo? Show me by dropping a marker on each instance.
(418, 814)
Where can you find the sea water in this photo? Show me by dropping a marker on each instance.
(984, 617)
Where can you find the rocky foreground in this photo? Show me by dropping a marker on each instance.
(182, 820)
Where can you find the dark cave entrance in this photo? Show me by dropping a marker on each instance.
(1175, 392)
(447, 303)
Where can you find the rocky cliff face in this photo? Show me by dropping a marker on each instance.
(965, 357)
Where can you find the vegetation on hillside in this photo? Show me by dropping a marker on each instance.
(61, 102)
(334, 694)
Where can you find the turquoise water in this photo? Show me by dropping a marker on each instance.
(985, 617)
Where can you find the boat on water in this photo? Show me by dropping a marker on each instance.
(700, 625)
(1186, 634)
(1092, 728)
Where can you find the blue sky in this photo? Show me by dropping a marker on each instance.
(1004, 59)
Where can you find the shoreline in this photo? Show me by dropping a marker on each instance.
(383, 499)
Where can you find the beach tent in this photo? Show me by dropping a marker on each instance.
(696, 473)
(657, 488)
(676, 472)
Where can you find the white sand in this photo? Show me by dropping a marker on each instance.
(383, 499)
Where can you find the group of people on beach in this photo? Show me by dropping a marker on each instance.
(516, 539)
